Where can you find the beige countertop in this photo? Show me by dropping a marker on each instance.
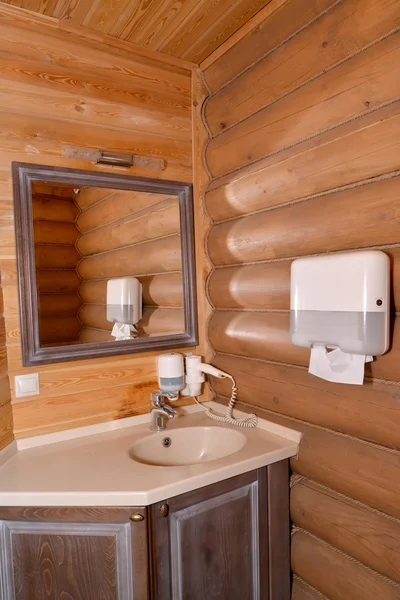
(91, 466)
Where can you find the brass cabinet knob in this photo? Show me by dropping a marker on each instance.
(164, 510)
(136, 518)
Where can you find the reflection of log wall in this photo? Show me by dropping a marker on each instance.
(56, 258)
(130, 234)
(305, 122)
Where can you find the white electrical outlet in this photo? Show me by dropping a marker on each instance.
(27, 385)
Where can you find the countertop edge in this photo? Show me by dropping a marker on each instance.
(129, 498)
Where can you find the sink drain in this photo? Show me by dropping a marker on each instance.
(166, 442)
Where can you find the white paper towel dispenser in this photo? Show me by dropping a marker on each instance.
(341, 301)
(124, 306)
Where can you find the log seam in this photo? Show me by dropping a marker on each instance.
(55, 220)
(294, 529)
(311, 137)
(290, 258)
(294, 366)
(311, 79)
(331, 191)
(297, 478)
(136, 274)
(144, 306)
(320, 427)
(204, 208)
(310, 587)
(113, 192)
(341, 553)
(44, 244)
(128, 217)
(255, 310)
(242, 309)
(40, 269)
(163, 237)
(50, 294)
(282, 43)
(96, 329)
(209, 95)
(209, 136)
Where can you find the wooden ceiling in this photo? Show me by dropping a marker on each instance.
(187, 29)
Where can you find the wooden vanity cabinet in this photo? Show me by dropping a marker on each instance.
(73, 554)
(226, 541)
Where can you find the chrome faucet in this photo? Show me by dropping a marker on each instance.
(159, 410)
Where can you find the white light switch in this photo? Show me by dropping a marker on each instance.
(27, 385)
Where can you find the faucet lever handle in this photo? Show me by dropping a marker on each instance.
(160, 410)
(157, 398)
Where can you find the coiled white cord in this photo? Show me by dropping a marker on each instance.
(249, 421)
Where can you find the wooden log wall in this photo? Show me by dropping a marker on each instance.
(130, 234)
(303, 117)
(69, 88)
(55, 235)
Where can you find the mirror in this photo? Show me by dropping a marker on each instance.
(79, 233)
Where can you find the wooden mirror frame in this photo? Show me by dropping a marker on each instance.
(32, 353)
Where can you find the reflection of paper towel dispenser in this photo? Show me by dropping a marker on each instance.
(341, 301)
(124, 306)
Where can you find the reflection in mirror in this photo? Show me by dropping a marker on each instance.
(87, 236)
(86, 244)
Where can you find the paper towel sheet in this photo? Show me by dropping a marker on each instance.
(123, 331)
(338, 366)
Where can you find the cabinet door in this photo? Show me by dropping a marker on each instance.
(214, 542)
(73, 554)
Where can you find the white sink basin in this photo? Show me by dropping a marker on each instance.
(188, 446)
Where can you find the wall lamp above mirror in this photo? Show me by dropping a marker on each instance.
(81, 233)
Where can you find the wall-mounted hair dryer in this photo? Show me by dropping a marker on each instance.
(171, 378)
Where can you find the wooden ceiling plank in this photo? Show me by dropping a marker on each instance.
(72, 10)
(133, 17)
(95, 6)
(47, 7)
(210, 28)
(186, 29)
(177, 25)
(124, 19)
(33, 5)
(230, 23)
(165, 34)
(104, 13)
(220, 32)
(155, 21)
(202, 19)
(121, 47)
(248, 27)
